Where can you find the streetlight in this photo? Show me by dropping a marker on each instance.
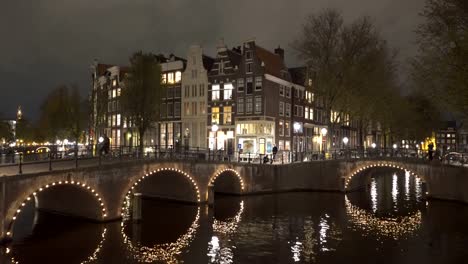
(373, 145)
(324, 132)
(345, 141)
(395, 146)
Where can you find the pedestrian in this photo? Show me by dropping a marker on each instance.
(275, 151)
(265, 159)
(431, 150)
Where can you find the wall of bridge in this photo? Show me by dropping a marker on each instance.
(109, 185)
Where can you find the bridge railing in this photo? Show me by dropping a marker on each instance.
(17, 163)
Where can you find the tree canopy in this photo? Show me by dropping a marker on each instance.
(440, 71)
(64, 114)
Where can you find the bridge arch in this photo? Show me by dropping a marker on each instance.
(140, 179)
(230, 171)
(367, 166)
(15, 211)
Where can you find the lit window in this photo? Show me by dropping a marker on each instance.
(114, 93)
(311, 113)
(164, 78)
(178, 76)
(227, 115)
(306, 113)
(287, 145)
(170, 78)
(215, 92)
(287, 130)
(215, 115)
(114, 82)
(119, 91)
(281, 128)
(228, 91)
(118, 119)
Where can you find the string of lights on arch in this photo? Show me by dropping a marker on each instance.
(126, 203)
(382, 165)
(213, 179)
(28, 199)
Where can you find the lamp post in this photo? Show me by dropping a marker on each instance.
(324, 132)
(345, 142)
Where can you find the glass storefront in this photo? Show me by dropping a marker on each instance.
(255, 137)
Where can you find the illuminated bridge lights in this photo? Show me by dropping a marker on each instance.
(348, 179)
(212, 180)
(84, 186)
(166, 252)
(142, 178)
(388, 227)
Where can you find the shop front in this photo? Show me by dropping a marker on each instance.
(255, 138)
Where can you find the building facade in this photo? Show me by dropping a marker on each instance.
(195, 98)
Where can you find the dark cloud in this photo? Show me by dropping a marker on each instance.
(50, 42)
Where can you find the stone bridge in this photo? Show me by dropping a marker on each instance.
(102, 193)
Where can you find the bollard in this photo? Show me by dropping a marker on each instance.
(136, 207)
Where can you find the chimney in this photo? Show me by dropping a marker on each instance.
(280, 52)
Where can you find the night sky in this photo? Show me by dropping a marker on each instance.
(45, 43)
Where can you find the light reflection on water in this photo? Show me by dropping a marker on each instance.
(388, 223)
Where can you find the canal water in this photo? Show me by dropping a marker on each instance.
(389, 222)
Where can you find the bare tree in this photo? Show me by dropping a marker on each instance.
(142, 93)
(440, 70)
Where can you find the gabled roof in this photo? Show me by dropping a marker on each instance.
(273, 63)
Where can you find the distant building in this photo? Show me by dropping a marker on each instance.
(446, 137)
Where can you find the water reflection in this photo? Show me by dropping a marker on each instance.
(150, 241)
(220, 248)
(45, 241)
(395, 221)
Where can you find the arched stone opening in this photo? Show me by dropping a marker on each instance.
(164, 183)
(360, 178)
(227, 181)
(68, 198)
